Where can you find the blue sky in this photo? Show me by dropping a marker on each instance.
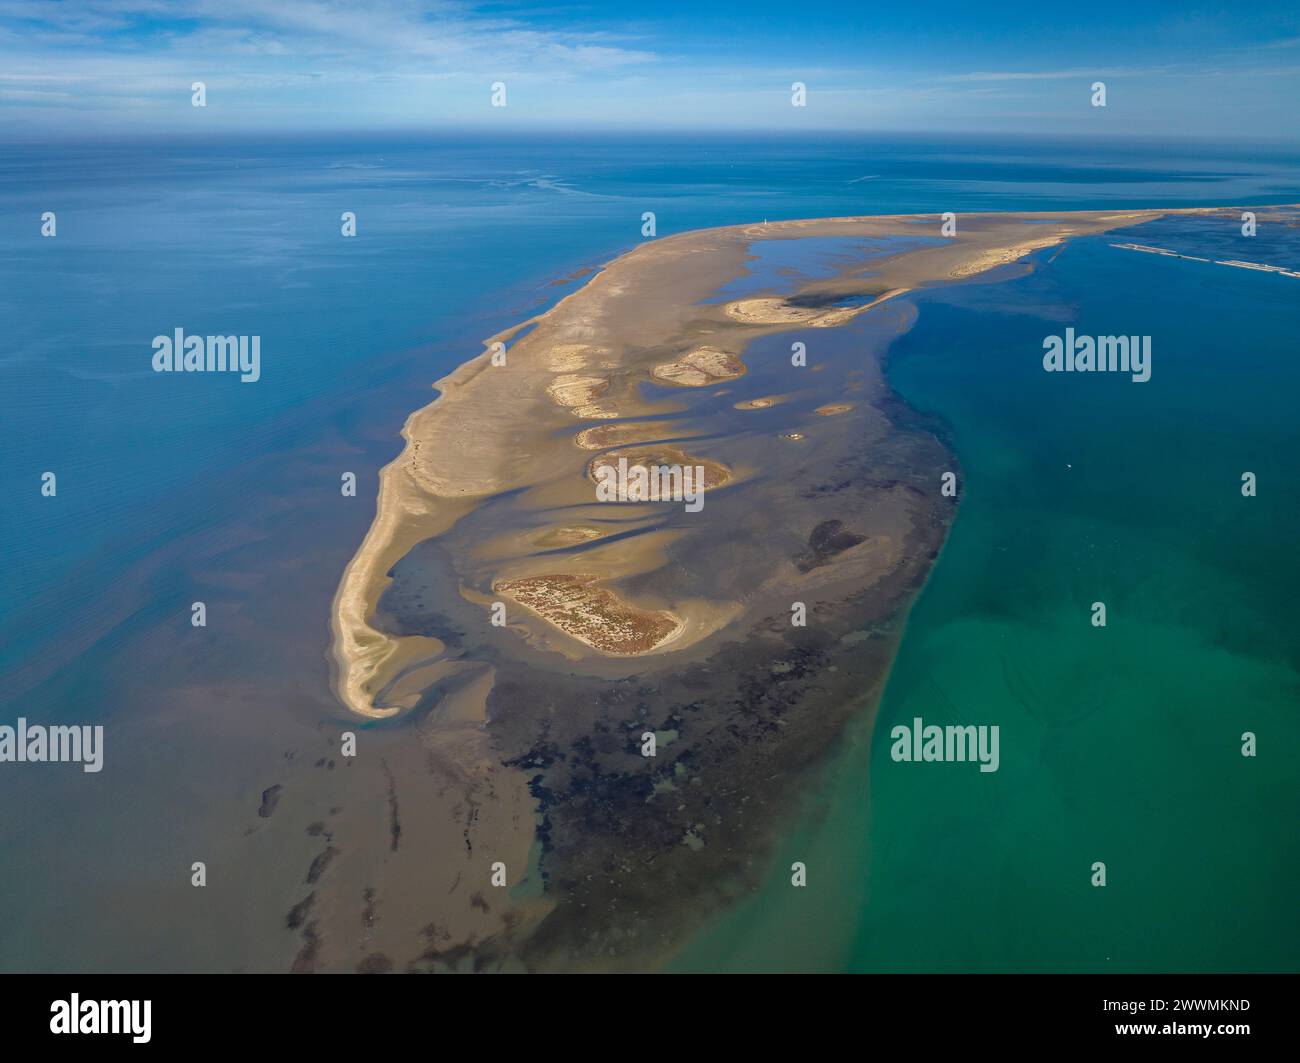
(1211, 71)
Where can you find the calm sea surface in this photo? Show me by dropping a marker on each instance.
(1119, 745)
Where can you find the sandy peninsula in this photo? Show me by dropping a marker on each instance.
(493, 428)
(588, 625)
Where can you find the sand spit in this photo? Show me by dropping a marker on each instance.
(521, 739)
(1004, 256)
(1260, 267)
(1159, 251)
(489, 431)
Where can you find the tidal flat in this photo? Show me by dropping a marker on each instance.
(627, 619)
(223, 744)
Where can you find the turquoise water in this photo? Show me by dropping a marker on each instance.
(1119, 744)
(172, 488)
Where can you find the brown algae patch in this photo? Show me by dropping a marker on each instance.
(592, 614)
(699, 368)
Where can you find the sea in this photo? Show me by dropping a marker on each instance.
(128, 495)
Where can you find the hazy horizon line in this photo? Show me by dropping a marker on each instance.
(1119, 139)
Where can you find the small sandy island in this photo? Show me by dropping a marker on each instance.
(593, 614)
(699, 368)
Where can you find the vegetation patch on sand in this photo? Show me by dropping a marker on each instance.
(614, 435)
(579, 394)
(699, 368)
(715, 473)
(592, 614)
(570, 357)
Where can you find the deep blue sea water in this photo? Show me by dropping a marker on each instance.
(165, 481)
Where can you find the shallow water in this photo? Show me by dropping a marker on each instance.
(183, 488)
(1119, 744)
